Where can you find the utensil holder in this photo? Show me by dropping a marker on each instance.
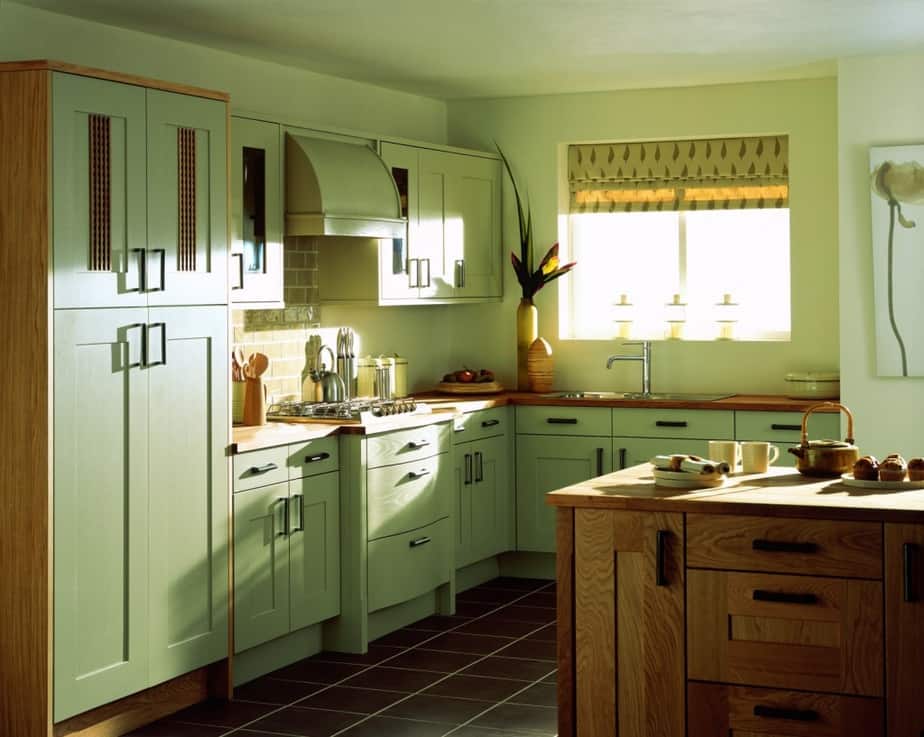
(255, 402)
(238, 394)
(346, 368)
(383, 385)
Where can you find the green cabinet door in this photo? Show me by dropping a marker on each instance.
(314, 549)
(546, 463)
(492, 499)
(430, 246)
(188, 488)
(256, 213)
(99, 173)
(100, 508)
(472, 225)
(261, 566)
(187, 200)
(632, 451)
(399, 262)
(463, 482)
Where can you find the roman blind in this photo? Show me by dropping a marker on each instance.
(705, 174)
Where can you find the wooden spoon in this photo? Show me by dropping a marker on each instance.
(257, 365)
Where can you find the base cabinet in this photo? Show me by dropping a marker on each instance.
(632, 451)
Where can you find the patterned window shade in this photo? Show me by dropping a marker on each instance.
(709, 174)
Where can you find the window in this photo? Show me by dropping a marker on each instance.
(690, 228)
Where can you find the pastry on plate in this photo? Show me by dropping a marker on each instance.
(916, 469)
(893, 468)
(866, 469)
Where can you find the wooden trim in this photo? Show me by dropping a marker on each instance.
(99, 187)
(47, 65)
(25, 484)
(564, 574)
(186, 198)
(142, 708)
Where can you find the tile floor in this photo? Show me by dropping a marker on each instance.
(488, 671)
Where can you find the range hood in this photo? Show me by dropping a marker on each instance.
(338, 188)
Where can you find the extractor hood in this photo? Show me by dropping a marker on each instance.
(338, 188)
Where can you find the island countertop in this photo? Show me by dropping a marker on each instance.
(781, 492)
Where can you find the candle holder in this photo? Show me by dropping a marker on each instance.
(624, 312)
(726, 317)
(676, 315)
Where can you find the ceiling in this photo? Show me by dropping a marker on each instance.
(487, 48)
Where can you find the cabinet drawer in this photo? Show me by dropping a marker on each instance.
(483, 424)
(314, 457)
(260, 468)
(407, 445)
(594, 421)
(715, 709)
(813, 634)
(407, 496)
(785, 427)
(674, 423)
(404, 566)
(805, 546)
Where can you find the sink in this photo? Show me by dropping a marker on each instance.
(654, 396)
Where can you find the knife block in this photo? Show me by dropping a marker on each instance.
(254, 402)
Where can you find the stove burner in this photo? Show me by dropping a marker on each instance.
(348, 411)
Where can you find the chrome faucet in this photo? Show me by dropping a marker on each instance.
(645, 358)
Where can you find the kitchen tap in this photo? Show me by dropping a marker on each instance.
(645, 358)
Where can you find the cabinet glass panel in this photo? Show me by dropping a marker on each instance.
(401, 175)
(253, 226)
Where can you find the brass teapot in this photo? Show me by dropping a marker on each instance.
(826, 457)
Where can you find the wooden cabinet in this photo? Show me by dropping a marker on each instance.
(256, 214)
(286, 547)
(904, 629)
(140, 208)
(452, 202)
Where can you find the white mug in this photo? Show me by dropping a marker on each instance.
(725, 450)
(756, 456)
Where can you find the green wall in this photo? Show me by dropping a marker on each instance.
(530, 130)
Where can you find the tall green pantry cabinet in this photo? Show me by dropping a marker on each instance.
(117, 540)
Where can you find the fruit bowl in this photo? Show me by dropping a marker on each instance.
(470, 387)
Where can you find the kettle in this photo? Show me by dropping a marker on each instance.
(329, 386)
(826, 457)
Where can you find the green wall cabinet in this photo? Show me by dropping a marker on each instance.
(256, 214)
(140, 518)
(546, 463)
(140, 205)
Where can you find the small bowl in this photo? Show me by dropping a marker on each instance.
(813, 385)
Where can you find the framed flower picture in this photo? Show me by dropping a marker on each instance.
(897, 192)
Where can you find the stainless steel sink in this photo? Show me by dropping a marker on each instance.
(654, 396)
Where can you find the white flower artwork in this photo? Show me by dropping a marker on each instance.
(897, 187)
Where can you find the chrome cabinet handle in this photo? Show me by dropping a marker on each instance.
(284, 502)
(142, 351)
(163, 344)
(418, 444)
(418, 474)
(317, 457)
(142, 254)
(265, 468)
(490, 423)
(468, 469)
(460, 273)
(162, 253)
(413, 276)
(419, 541)
(427, 262)
(240, 269)
(479, 467)
(301, 513)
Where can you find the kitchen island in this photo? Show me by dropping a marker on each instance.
(775, 604)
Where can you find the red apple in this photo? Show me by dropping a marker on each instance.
(466, 376)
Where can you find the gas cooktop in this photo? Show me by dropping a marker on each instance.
(361, 410)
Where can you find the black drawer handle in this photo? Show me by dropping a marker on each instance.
(418, 444)
(795, 715)
(418, 474)
(908, 554)
(783, 597)
(670, 423)
(418, 542)
(660, 542)
(490, 423)
(778, 426)
(774, 546)
(316, 458)
(265, 468)
(561, 420)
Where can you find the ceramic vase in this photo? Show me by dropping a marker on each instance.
(527, 332)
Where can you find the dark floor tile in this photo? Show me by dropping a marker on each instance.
(433, 660)
(175, 729)
(394, 679)
(438, 623)
(551, 678)
(346, 698)
(402, 638)
(317, 671)
(459, 643)
(294, 720)
(519, 584)
(539, 719)
(548, 633)
(222, 713)
(470, 731)
(532, 649)
(540, 598)
(377, 652)
(542, 615)
(274, 690)
(521, 670)
(443, 709)
(473, 608)
(476, 687)
(492, 625)
(489, 596)
(539, 694)
(391, 727)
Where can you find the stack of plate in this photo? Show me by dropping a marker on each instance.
(683, 480)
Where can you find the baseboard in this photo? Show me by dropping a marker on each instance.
(400, 615)
(275, 654)
(477, 573)
(527, 565)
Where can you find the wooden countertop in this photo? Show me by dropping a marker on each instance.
(782, 492)
(247, 438)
